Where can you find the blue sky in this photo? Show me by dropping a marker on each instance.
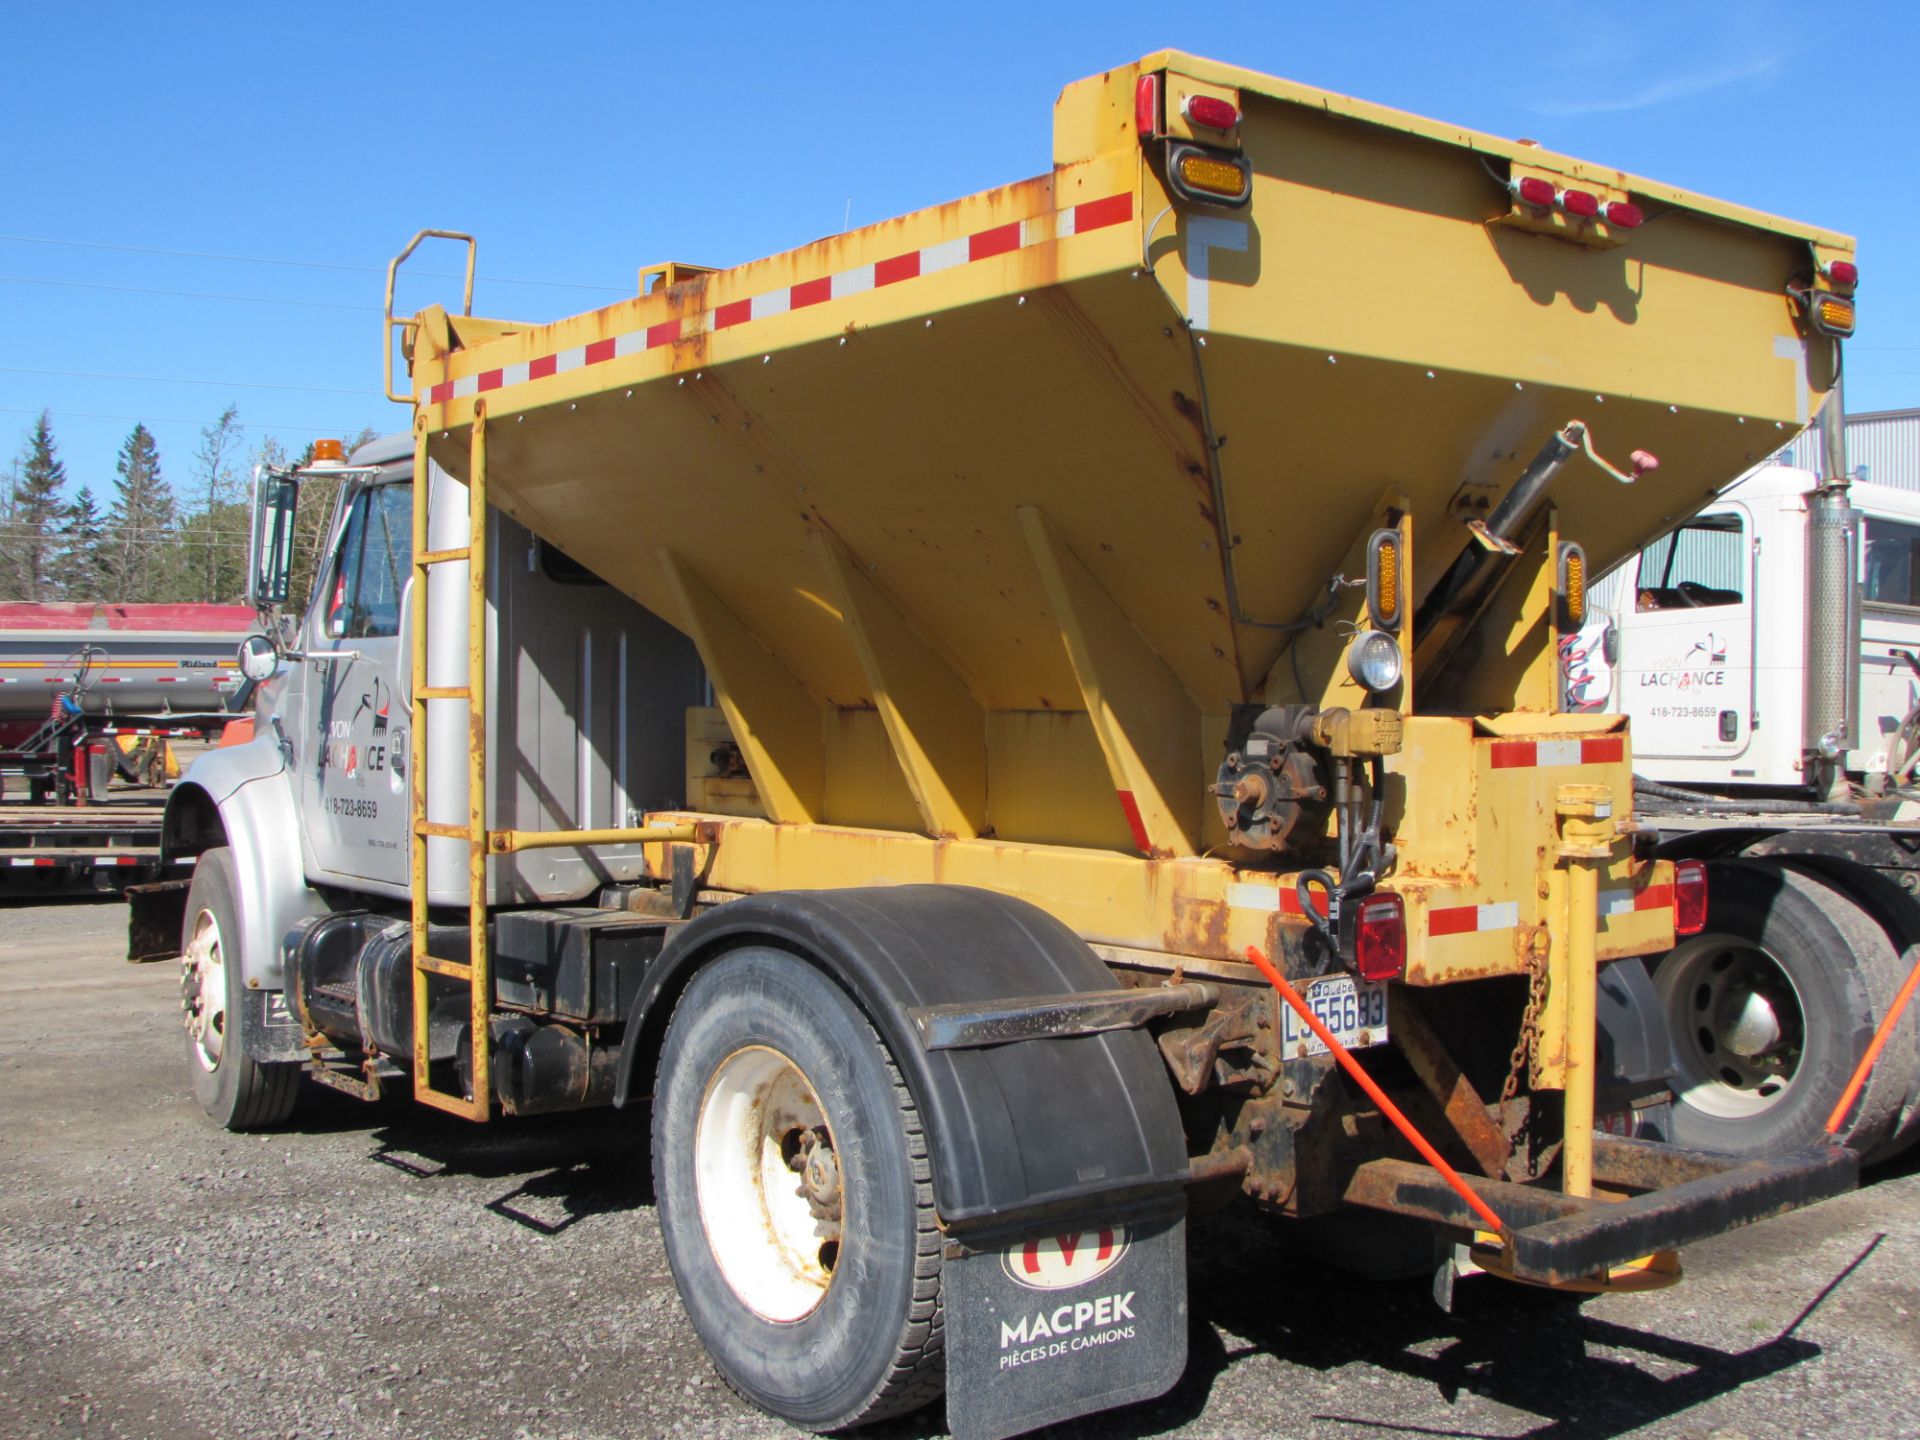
(580, 142)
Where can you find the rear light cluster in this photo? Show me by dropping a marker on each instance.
(1689, 897)
(1380, 938)
(1843, 272)
(1539, 193)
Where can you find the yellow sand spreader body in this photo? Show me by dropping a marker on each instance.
(1116, 589)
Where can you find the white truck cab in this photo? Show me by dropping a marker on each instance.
(1702, 637)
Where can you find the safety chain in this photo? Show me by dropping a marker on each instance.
(1529, 1042)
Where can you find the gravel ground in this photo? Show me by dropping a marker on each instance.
(385, 1272)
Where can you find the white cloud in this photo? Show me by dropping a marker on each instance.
(1660, 92)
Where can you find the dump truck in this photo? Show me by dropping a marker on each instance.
(1004, 728)
(1776, 715)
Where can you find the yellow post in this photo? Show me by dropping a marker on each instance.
(1585, 815)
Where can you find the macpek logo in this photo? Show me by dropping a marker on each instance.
(1060, 1262)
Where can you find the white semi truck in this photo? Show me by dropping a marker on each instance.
(1776, 720)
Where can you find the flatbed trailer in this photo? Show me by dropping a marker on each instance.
(101, 848)
(860, 708)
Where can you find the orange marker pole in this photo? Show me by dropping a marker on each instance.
(1874, 1047)
(1374, 1092)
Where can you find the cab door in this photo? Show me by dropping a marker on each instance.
(1687, 654)
(355, 786)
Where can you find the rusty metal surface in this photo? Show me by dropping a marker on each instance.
(1462, 1105)
(1557, 1239)
(1233, 1047)
(155, 914)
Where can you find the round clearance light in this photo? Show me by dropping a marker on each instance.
(1581, 203)
(1374, 660)
(1212, 112)
(1533, 190)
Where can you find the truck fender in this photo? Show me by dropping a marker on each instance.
(1011, 1129)
(242, 797)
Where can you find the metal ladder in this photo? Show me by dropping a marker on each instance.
(476, 972)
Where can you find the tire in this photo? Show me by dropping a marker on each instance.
(236, 1091)
(1897, 912)
(1769, 1009)
(766, 1058)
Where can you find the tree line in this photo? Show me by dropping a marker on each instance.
(151, 543)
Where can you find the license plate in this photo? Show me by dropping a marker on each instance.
(1354, 1010)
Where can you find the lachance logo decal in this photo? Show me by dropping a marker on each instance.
(1060, 1262)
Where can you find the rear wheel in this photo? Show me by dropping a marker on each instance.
(239, 1092)
(1769, 1009)
(795, 1196)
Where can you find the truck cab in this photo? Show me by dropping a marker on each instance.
(1701, 638)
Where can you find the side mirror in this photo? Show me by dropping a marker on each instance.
(259, 658)
(276, 496)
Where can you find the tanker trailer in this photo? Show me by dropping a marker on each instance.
(90, 694)
(89, 689)
(1102, 634)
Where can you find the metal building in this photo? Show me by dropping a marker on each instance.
(1883, 448)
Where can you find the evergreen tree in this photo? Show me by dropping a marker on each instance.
(33, 515)
(140, 525)
(83, 536)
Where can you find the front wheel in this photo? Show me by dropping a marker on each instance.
(795, 1196)
(1769, 1009)
(239, 1092)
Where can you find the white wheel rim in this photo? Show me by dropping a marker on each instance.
(766, 1179)
(1737, 1024)
(203, 991)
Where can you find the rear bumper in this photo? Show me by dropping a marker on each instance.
(1676, 1197)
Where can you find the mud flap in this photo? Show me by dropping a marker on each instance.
(1049, 1322)
(269, 1030)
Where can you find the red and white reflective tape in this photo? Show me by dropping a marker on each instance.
(1135, 821)
(1529, 754)
(1505, 914)
(929, 260)
(116, 859)
(1470, 919)
(31, 861)
(1626, 902)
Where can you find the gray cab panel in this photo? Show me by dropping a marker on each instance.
(587, 693)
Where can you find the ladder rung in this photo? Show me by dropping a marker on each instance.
(452, 969)
(442, 557)
(444, 692)
(452, 1104)
(445, 831)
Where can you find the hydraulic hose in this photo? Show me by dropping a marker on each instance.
(1653, 788)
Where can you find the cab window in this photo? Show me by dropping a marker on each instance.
(1702, 564)
(370, 572)
(1893, 564)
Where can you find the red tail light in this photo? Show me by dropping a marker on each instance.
(1843, 272)
(1689, 897)
(1624, 215)
(1582, 203)
(1146, 106)
(1533, 190)
(1212, 112)
(1380, 938)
